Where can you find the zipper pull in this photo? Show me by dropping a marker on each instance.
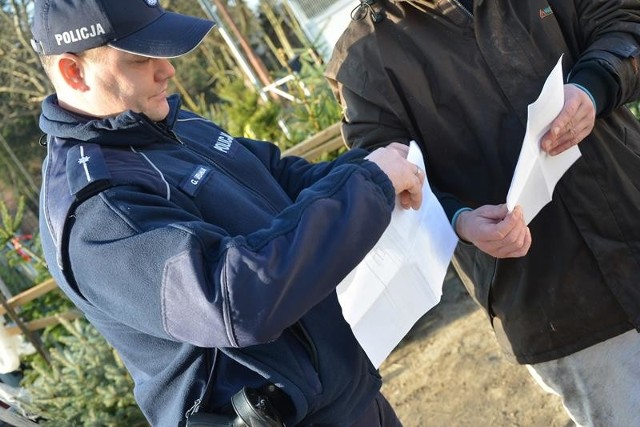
(174, 136)
(195, 408)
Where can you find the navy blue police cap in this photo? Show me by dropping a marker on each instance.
(142, 27)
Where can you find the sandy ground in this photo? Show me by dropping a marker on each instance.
(449, 371)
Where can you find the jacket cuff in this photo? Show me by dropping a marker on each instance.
(450, 204)
(598, 83)
(585, 90)
(381, 179)
(455, 218)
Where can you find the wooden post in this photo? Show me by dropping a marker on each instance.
(256, 62)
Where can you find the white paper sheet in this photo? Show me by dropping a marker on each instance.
(402, 276)
(537, 173)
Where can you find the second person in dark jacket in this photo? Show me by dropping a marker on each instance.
(457, 76)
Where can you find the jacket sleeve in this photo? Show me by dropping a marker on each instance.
(609, 65)
(161, 269)
(295, 173)
(367, 124)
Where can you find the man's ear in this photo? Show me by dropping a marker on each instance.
(71, 71)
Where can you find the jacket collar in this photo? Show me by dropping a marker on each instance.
(128, 128)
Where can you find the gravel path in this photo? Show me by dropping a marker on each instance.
(449, 372)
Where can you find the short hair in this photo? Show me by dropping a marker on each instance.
(49, 61)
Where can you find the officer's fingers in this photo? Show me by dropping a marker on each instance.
(411, 195)
(401, 149)
(416, 196)
(421, 175)
(404, 198)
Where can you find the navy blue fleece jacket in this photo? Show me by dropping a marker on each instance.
(178, 240)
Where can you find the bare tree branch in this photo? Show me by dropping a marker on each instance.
(23, 83)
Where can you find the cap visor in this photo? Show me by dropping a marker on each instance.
(169, 36)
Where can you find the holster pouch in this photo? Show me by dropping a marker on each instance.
(251, 407)
(255, 409)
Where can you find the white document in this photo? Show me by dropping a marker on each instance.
(537, 173)
(401, 278)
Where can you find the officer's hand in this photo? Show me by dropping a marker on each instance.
(495, 231)
(573, 124)
(406, 177)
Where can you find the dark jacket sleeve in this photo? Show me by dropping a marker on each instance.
(367, 124)
(609, 65)
(161, 269)
(295, 173)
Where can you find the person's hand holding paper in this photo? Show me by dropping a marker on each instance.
(501, 231)
(407, 181)
(401, 278)
(574, 123)
(537, 172)
(495, 231)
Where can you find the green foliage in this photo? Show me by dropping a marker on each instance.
(13, 278)
(317, 107)
(22, 252)
(46, 305)
(241, 112)
(244, 113)
(85, 385)
(23, 134)
(10, 223)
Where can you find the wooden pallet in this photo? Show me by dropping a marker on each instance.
(29, 295)
(325, 141)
